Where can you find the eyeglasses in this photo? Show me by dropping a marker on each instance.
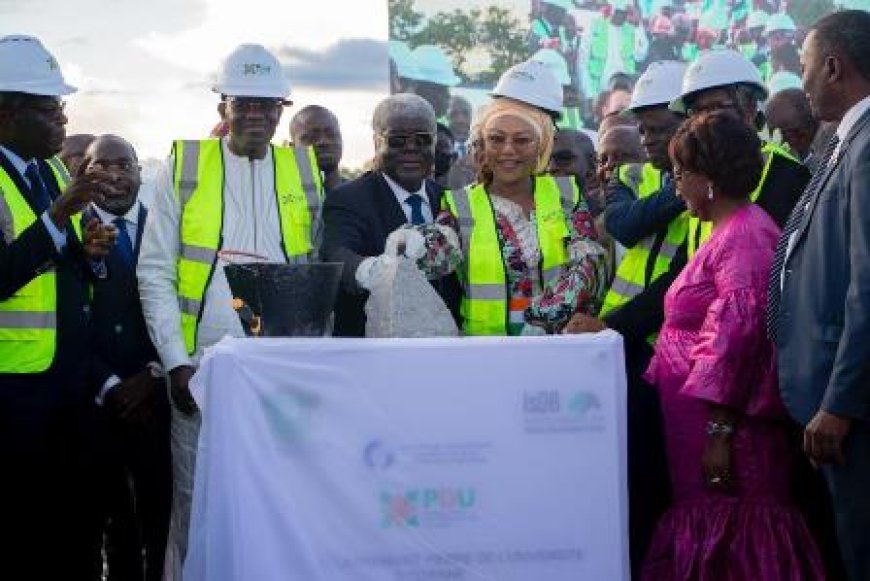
(707, 108)
(264, 104)
(125, 165)
(420, 139)
(498, 141)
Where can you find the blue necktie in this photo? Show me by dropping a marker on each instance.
(123, 246)
(39, 196)
(416, 203)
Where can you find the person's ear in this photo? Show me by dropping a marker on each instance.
(222, 110)
(833, 69)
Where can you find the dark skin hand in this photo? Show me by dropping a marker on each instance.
(81, 192)
(179, 389)
(717, 461)
(98, 239)
(134, 399)
(582, 323)
(824, 437)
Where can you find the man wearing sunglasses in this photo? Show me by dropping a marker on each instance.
(361, 214)
(237, 193)
(47, 444)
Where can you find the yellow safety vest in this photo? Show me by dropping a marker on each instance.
(631, 275)
(484, 305)
(699, 232)
(28, 319)
(199, 188)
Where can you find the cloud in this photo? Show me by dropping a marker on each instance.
(359, 63)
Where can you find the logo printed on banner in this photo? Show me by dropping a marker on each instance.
(427, 507)
(378, 456)
(552, 411)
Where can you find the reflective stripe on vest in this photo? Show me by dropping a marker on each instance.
(599, 50)
(699, 232)
(199, 186)
(631, 274)
(571, 119)
(485, 301)
(28, 319)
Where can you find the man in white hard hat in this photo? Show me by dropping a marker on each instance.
(611, 45)
(47, 451)
(433, 76)
(725, 79)
(238, 193)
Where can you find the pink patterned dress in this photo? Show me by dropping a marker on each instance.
(713, 348)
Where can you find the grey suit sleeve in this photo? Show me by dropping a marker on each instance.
(848, 391)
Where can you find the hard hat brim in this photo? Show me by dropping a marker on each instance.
(43, 90)
(237, 91)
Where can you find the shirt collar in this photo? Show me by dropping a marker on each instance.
(19, 164)
(131, 217)
(402, 194)
(851, 118)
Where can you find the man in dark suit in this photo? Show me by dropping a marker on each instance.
(360, 215)
(819, 300)
(137, 481)
(47, 452)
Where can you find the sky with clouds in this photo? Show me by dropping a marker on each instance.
(144, 67)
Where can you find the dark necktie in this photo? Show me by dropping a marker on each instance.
(39, 197)
(123, 246)
(416, 203)
(774, 286)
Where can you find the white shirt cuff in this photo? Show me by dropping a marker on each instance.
(58, 236)
(174, 355)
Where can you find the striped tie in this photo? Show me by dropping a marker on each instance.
(774, 286)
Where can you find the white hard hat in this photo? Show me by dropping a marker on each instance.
(783, 80)
(554, 60)
(779, 22)
(659, 85)
(400, 52)
(26, 67)
(534, 83)
(252, 71)
(432, 65)
(757, 19)
(718, 68)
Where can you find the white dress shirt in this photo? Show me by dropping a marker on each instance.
(251, 224)
(843, 129)
(58, 236)
(131, 219)
(402, 195)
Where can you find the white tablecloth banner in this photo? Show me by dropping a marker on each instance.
(395, 459)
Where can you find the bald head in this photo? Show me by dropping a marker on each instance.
(114, 160)
(789, 112)
(73, 150)
(459, 117)
(618, 145)
(317, 127)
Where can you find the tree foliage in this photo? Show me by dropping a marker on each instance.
(492, 29)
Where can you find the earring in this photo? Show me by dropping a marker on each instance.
(709, 191)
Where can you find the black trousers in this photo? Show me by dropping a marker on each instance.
(49, 489)
(137, 470)
(649, 484)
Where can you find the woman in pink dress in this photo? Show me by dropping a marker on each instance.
(725, 426)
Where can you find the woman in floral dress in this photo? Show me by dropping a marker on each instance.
(524, 242)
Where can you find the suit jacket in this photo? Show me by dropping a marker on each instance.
(120, 337)
(358, 217)
(21, 261)
(823, 325)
